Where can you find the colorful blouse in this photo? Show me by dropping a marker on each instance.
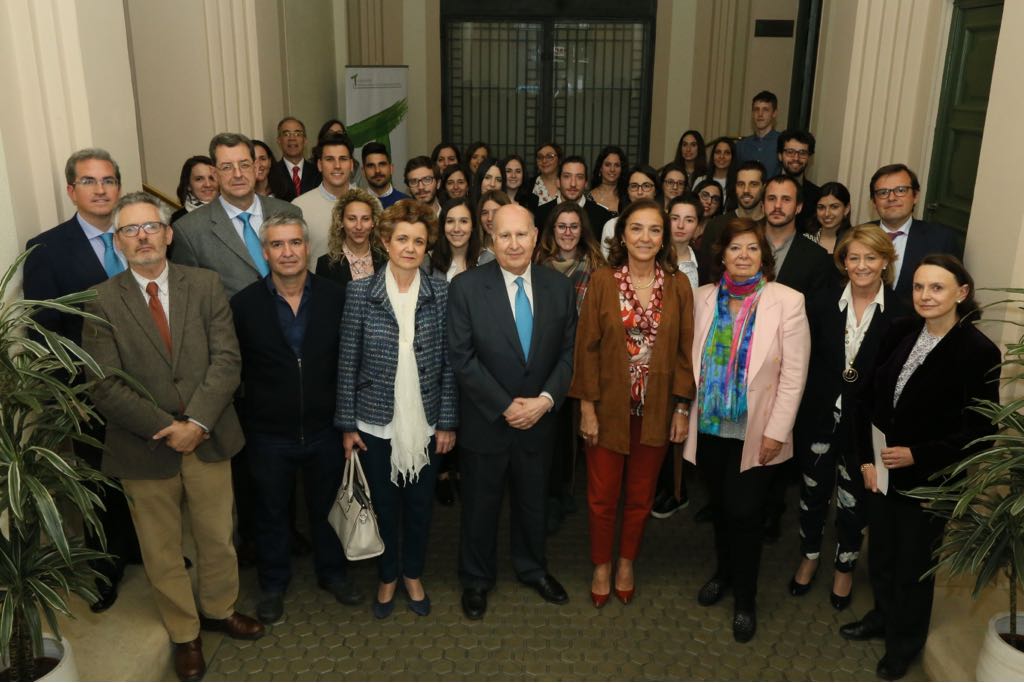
(641, 327)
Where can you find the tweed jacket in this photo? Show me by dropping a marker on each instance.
(368, 357)
(601, 367)
(198, 379)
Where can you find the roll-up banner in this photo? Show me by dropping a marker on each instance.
(376, 107)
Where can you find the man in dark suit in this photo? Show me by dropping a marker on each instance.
(74, 256)
(169, 327)
(288, 333)
(799, 262)
(511, 328)
(894, 190)
(292, 174)
(223, 236)
(572, 181)
(796, 148)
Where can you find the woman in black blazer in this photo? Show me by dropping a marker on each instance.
(847, 324)
(354, 250)
(928, 374)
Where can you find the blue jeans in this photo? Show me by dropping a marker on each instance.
(403, 512)
(273, 462)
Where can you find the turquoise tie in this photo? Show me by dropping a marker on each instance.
(252, 243)
(111, 263)
(524, 318)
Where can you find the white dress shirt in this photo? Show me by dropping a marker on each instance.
(93, 234)
(855, 331)
(255, 218)
(163, 293)
(900, 244)
(511, 288)
(289, 166)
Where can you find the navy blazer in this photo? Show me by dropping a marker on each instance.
(488, 359)
(925, 238)
(63, 262)
(933, 416)
(368, 357)
(825, 381)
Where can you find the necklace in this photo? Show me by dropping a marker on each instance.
(648, 285)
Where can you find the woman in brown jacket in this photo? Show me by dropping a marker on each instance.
(635, 382)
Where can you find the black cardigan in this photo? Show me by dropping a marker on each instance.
(828, 360)
(340, 272)
(279, 395)
(932, 417)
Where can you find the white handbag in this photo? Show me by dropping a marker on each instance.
(352, 515)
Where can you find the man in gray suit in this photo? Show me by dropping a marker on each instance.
(170, 328)
(223, 235)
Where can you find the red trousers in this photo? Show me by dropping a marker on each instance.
(605, 470)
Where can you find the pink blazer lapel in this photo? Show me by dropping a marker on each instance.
(766, 324)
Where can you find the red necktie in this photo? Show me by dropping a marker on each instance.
(156, 309)
(296, 180)
(894, 235)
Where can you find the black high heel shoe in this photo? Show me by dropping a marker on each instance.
(444, 491)
(796, 589)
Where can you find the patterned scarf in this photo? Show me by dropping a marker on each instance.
(641, 327)
(726, 356)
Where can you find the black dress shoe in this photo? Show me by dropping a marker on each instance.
(108, 596)
(344, 591)
(744, 625)
(549, 589)
(871, 626)
(474, 603)
(444, 491)
(890, 669)
(712, 591)
(840, 602)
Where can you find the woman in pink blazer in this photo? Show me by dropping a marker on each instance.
(751, 347)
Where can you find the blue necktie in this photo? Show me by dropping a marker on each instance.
(252, 243)
(524, 318)
(111, 263)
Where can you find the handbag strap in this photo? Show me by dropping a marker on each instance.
(362, 475)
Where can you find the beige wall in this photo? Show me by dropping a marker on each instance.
(421, 50)
(769, 60)
(310, 77)
(671, 97)
(876, 90)
(67, 86)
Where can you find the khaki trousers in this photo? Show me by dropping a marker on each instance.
(155, 505)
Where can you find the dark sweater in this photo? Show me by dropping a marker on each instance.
(283, 394)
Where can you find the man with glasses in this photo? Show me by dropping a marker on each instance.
(422, 178)
(894, 190)
(170, 329)
(572, 183)
(74, 256)
(292, 174)
(223, 235)
(796, 147)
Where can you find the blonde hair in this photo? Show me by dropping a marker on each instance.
(336, 237)
(875, 239)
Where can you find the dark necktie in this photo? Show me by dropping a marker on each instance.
(894, 235)
(156, 309)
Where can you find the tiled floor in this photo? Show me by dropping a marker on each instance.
(663, 634)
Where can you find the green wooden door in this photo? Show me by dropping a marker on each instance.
(964, 99)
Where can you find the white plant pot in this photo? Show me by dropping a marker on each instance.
(66, 670)
(999, 661)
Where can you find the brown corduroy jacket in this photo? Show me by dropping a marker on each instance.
(601, 362)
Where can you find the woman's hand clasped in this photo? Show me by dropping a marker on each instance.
(770, 449)
(350, 441)
(895, 457)
(870, 478)
(588, 425)
(444, 441)
(679, 428)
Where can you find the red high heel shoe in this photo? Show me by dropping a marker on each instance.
(625, 596)
(598, 599)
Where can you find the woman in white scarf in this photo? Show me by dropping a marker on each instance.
(395, 326)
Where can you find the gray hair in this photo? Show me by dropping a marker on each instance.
(275, 220)
(84, 155)
(230, 140)
(141, 198)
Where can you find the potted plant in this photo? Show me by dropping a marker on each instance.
(41, 411)
(982, 497)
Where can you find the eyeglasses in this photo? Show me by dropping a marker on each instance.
(646, 187)
(550, 156)
(799, 153)
(89, 181)
(567, 227)
(418, 182)
(675, 183)
(710, 197)
(228, 167)
(151, 228)
(899, 191)
(292, 133)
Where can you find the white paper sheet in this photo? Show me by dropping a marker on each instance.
(881, 471)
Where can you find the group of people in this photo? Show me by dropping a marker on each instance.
(723, 311)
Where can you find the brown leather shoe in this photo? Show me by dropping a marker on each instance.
(237, 626)
(188, 660)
